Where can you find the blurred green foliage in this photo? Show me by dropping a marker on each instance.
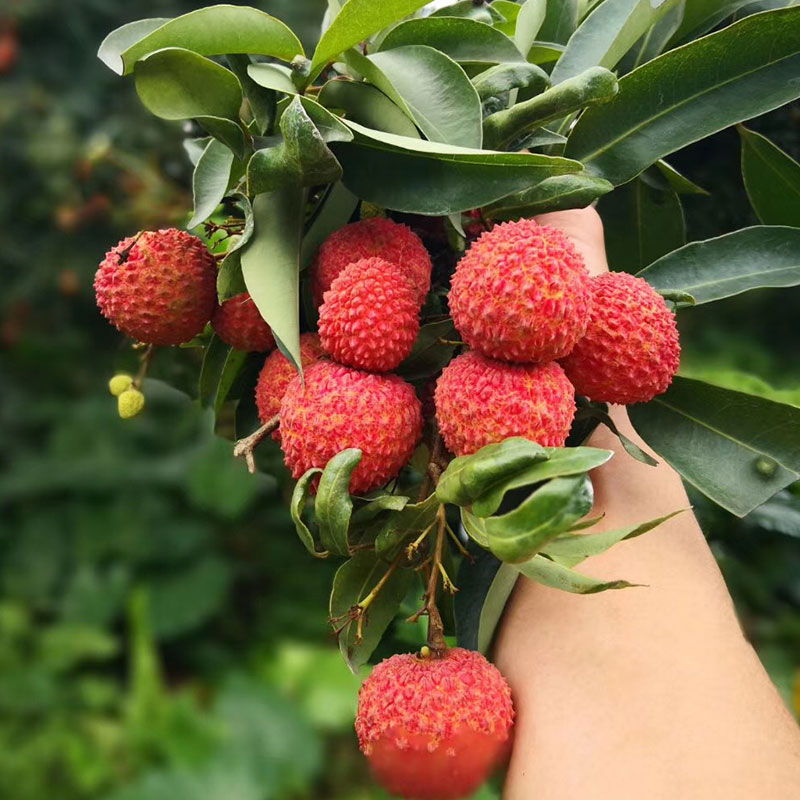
(162, 631)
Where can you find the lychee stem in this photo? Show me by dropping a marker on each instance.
(433, 470)
(244, 448)
(144, 364)
(435, 626)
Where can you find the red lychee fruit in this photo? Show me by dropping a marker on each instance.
(521, 293)
(434, 728)
(340, 407)
(480, 401)
(374, 237)
(370, 316)
(278, 372)
(158, 287)
(630, 350)
(239, 323)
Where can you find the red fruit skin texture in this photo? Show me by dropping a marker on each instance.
(521, 293)
(375, 237)
(276, 375)
(159, 288)
(481, 401)
(631, 349)
(435, 729)
(341, 407)
(370, 316)
(239, 323)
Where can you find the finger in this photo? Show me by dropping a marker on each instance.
(585, 228)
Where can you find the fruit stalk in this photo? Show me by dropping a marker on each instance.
(245, 448)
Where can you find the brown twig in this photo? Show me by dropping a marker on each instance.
(144, 364)
(245, 448)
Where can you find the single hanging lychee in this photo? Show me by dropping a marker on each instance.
(481, 401)
(630, 350)
(239, 323)
(370, 316)
(435, 728)
(521, 293)
(158, 287)
(336, 408)
(374, 237)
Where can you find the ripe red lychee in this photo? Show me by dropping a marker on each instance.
(158, 287)
(630, 350)
(521, 293)
(239, 323)
(434, 728)
(340, 407)
(278, 372)
(370, 316)
(480, 401)
(374, 237)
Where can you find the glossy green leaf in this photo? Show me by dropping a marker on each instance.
(752, 258)
(701, 16)
(273, 76)
(530, 20)
(210, 181)
(673, 179)
(599, 412)
(262, 100)
(430, 353)
(545, 52)
(502, 78)
(481, 12)
(376, 506)
(334, 213)
(462, 39)
(210, 370)
(270, 265)
(560, 21)
(334, 506)
(772, 180)
(230, 133)
(406, 525)
(357, 20)
(296, 508)
(604, 37)
(353, 581)
(427, 178)
(556, 576)
(234, 363)
(119, 40)
(655, 40)
(510, 11)
(755, 65)
(179, 84)
(596, 85)
(219, 30)
(736, 448)
(540, 138)
(641, 224)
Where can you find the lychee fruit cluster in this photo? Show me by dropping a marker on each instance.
(630, 350)
(435, 728)
(158, 287)
(239, 323)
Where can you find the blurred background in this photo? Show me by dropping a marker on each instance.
(162, 630)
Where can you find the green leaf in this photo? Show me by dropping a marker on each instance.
(596, 85)
(357, 20)
(703, 15)
(376, 506)
(545, 52)
(572, 548)
(755, 64)
(429, 355)
(216, 31)
(368, 106)
(641, 224)
(752, 258)
(481, 12)
(406, 525)
(547, 512)
(426, 178)
(552, 194)
(502, 78)
(607, 34)
(600, 412)
(210, 181)
(353, 581)
(213, 363)
(736, 448)
(270, 265)
(529, 22)
(119, 40)
(262, 101)
(273, 76)
(674, 180)
(462, 39)
(306, 144)
(234, 362)
(559, 22)
(510, 10)
(179, 84)
(556, 576)
(430, 87)
(229, 278)
(227, 131)
(334, 213)
(772, 180)
(655, 40)
(296, 508)
(334, 506)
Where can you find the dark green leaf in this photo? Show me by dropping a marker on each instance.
(772, 180)
(559, 22)
(262, 100)
(468, 8)
(119, 40)
(229, 278)
(334, 506)
(752, 258)
(210, 181)
(296, 508)
(755, 63)
(654, 41)
(429, 355)
(674, 180)
(502, 78)
(377, 506)
(556, 576)
(307, 147)
(230, 372)
(336, 210)
(599, 412)
(404, 526)
(736, 448)
(701, 16)
(227, 131)
(211, 369)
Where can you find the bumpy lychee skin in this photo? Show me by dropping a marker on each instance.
(159, 287)
(434, 729)
(341, 407)
(239, 323)
(370, 316)
(480, 401)
(521, 293)
(374, 237)
(276, 375)
(631, 350)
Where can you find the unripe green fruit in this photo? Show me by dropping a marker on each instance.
(120, 383)
(130, 403)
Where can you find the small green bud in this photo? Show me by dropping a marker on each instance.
(766, 467)
(370, 210)
(119, 383)
(130, 403)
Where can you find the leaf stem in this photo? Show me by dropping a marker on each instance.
(244, 448)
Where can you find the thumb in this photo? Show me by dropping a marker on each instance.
(585, 228)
